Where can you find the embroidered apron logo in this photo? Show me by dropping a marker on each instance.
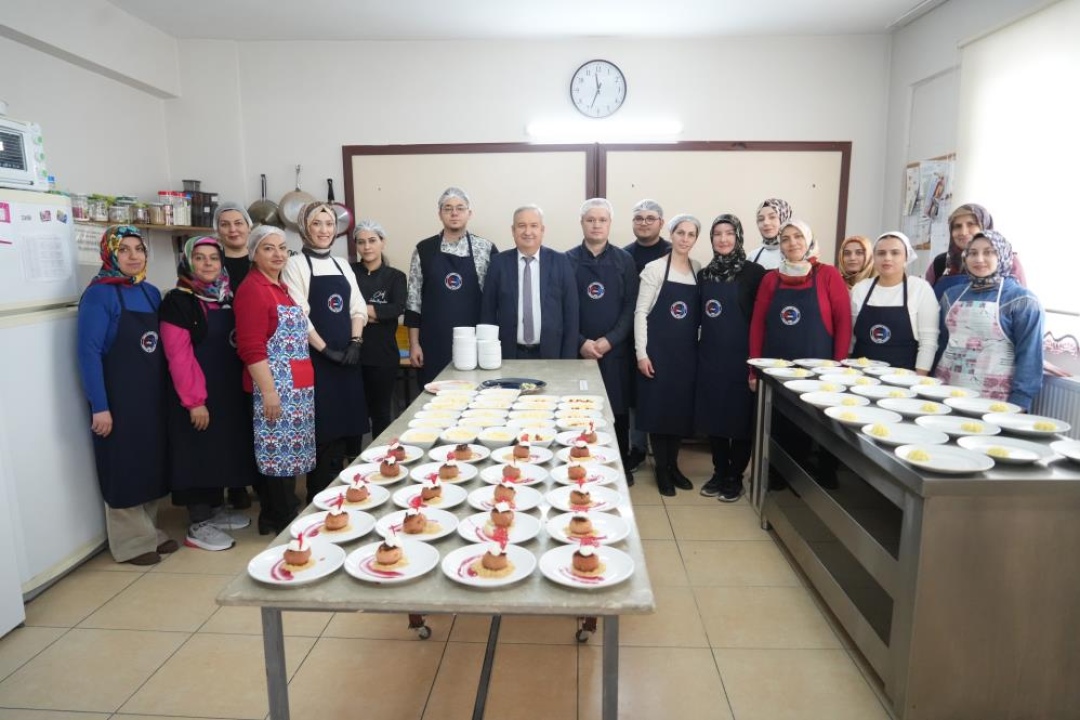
(149, 341)
(378, 297)
(713, 308)
(335, 303)
(880, 334)
(678, 310)
(595, 290)
(453, 281)
(790, 315)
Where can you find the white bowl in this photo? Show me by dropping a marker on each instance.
(524, 423)
(479, 423)
(421, 437)
(539, 436)
(497, 437)
(459, 434)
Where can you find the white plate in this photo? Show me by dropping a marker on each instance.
(376, 497)
(390, 524)
(579, 413)
(484, 413)
(1025, 424)
(910, 380)
(532, 414)
(479, 452)
(862, 363)
(1068, 448)
(457, 565)
(816, 362)
(377, 453)
(525, 498)
(499, 404)
(537, 455)
(530, 474)
(523, 405)
(853, 380)
(422, 438)
(946, 459)
(944, 392)
(595, 474)
(878, 371)
(434, 424)
(604, 499)
(805, 386)
(452, 496)
(834, 399)
(582, 408)
(597, 454)
(458, 404)
(478, 529)
(587, 399)
(607, 529)
(953, 425)
(877, 392)
(461, 434)
(578, 422)
(570, 436)
(824, 370)
(1018, 452)
(530, 423)
(311, 527)
(557, 565)
(430, 471)
(422, 558)
(906, 434)
(978, 407)
(914, 407)
(789, 372)
(370, 473)
(769, 363)
(440, 385)
(269, 565)
(859, 416)
(436, 414)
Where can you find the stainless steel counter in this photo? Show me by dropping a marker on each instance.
(963, 592)
(434, 592)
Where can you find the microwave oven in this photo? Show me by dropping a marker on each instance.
(22, 156)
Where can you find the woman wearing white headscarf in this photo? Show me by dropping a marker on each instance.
(895, 315)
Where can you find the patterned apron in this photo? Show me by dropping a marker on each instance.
(978, 356)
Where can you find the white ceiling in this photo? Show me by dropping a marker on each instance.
(507, 19)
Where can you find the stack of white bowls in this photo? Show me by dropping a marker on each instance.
(464, 348)
(489, 349)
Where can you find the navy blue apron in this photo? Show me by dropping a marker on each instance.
(340, 408)
(131, 461)
(450, 298)
(794, 327)
(602, 297)
(222, 455)
(665, 402)
(884, 333)
(724, 405)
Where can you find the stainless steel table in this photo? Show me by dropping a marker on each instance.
(435, 593)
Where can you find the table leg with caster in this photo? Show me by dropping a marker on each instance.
(417, 623)
(586, 627)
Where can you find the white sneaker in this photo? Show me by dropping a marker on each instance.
(207, 537)
(225, 520)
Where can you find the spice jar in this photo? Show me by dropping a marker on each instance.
(140, 214)
(99, 209)
(120, 214)
(80, 207)
(157, 214)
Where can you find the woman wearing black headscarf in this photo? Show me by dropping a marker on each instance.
(724, 405)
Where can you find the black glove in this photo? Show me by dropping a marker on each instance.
(352, 352)
(332, 355)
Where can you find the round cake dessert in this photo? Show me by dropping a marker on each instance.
(462, 452)
(580, 449)
(586, 560)
(522, 449)
(511, 471)
(580, 524)
(389, 552)
(389, 467)
(494, 559)
(580, 496)
(414, 522)
(576, 471)
(502, 516)
(431, 490)
(358, 491)
(395, 450)
(449, 469)
(589, 434)
(504, 492)
(336, 519)
(297, 553)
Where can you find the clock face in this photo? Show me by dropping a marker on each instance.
(598, 88)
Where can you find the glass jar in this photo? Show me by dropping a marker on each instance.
(99, 209)
(140, 214)
(120, 214)
(80, 207)
(157, 214)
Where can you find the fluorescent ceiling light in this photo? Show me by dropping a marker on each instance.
(607, 130)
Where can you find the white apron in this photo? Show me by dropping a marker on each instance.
(978, 356)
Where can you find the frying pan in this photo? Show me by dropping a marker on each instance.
(291, 202)
(344, 216)
(264, 211)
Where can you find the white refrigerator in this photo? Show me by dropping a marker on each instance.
(50, 505)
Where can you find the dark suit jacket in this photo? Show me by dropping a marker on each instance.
(558, 303)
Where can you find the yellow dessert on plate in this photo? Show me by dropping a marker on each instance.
(879, 430)
(918, 455)
(960, 393)
(864, 381)
(930, 407)
(997, 451)
(999, 407)
(896, 393)
(800, 372)
(849, 416)
(973, 427)
(829, 387)
(1045, 426)
(849, 402)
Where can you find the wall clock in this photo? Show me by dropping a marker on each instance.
(598, 88)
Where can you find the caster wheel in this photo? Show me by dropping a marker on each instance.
(582, 635)
(423, 632)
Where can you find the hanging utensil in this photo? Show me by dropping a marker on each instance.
(345, 222)
(289, 207)
(264, 211)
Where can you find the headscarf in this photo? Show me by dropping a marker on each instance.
(867, 270)
(724, 268)
(258, 234)
(227, 206)
(307, 212)
(909, 250)
(799, 268)
(110, 265)
(1005, 260)
(954, 264)
(217, 291)
(783, 211)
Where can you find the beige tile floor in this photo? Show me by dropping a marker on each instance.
(737, 634)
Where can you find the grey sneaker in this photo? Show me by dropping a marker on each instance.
(225, 520)
(207, 537)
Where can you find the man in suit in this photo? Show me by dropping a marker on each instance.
(532, 324)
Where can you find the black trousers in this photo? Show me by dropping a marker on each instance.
(665, 450)
(730, 456)
(379, 382)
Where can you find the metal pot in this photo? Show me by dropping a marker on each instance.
(289, 207)
(264, 211)
(345, 222)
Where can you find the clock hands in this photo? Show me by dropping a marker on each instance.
(597, 93)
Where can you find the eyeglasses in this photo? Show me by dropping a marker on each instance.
(451, 209)
(647, 220)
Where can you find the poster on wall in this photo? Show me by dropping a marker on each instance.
(928, 189)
